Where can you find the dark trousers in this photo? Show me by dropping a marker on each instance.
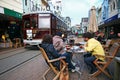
(68, 60)
(88, 59)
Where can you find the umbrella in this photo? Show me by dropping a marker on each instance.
(92, 27)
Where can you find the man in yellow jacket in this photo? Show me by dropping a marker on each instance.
(93, 49)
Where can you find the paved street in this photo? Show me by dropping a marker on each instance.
(24, 24)
(9, 62)
(30, 70)
(28, 65)
(25, 64)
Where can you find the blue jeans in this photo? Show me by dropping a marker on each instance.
(68, 60)
(88, 59)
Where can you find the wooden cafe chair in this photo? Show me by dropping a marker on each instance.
(63, 74)
(17, 42)
(107, 45)
(102, 65)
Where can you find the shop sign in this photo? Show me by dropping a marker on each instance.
(1, 10)
(33, 6)
(111, 19)
(12, 13)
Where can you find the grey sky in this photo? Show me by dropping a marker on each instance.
(76, 9)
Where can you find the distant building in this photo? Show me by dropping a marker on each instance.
(68, 21)
(84, 24)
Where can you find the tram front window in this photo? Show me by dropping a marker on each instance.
(26, 24)
(30, 24)
(33, 24)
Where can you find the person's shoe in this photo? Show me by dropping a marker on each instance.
(76, 69)
(73, 63)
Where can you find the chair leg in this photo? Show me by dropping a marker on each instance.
(59, 74)
(45, 73)
(96, 73)
(99, 71)
(106, 73)
(64, 75)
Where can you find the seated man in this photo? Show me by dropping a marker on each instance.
(93, 48)
(47, 45)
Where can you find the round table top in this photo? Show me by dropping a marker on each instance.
(75, 49)
(82, 43)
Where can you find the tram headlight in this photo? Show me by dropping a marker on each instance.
(34, 35)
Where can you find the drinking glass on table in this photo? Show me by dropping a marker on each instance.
(81, 46)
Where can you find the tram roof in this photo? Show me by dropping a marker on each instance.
(47, 12)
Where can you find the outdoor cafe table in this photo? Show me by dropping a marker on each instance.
(78, 56)
(75, 49)
(82, 43)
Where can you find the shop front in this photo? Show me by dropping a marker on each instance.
(10, 26)
(111, 24)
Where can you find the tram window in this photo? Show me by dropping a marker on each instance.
(34, 25)
(44, 23)
(27, 24)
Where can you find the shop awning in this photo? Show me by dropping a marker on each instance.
(12, 13)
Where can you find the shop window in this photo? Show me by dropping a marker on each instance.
(111, 8)
(113, 5)
(26, 2)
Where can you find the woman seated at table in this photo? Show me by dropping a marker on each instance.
(47, 45)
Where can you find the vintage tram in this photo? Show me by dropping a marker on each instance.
(36, 25)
